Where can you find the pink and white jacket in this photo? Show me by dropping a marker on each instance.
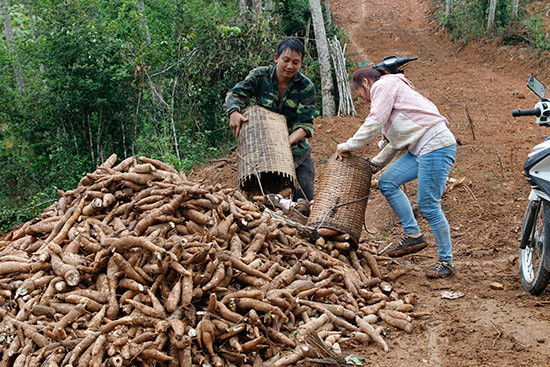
(408, 120)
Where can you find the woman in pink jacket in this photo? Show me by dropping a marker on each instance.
(413, 124)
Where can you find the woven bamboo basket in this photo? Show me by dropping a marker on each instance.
(341, 199)
(264, 151)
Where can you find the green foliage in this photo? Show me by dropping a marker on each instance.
(535, 27)
(103, 77)
(295, 15)
(468, 20)
(28, 209)
(208, 69)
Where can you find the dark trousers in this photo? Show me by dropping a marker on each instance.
(305, 173)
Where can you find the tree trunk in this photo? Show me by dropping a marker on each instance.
(9, 37)
(448, 7)
(515, 6)
(257, 8)
(327, 87)
(35, 37)
(328, 13)
(141, 8)
(491, 18)
(308, 27)
(242, 6)
(172, 121)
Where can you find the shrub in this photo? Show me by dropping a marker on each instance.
(105, 77)
(468, 20)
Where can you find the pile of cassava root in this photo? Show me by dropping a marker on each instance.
(138, 266)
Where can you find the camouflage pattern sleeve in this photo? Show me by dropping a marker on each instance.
(238, 97)
(306, 109)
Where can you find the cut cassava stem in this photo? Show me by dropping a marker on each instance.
(174, 297)
(337, 310)
(70, 317)
(158, 164)
(147, 278)
(239, 265)
(69, 272)
(127, 268)
(395, 322)
(370, 331)
(125, 243)
(244, 293)
(371, 261)
(168, 208)
(312, 326)
(69, 223)
(31, 333)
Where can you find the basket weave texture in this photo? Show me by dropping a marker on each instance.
(341, 199)
(264, 150)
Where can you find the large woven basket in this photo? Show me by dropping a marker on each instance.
(264, 151)
(341, 199)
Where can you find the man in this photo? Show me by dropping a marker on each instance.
(283, 89)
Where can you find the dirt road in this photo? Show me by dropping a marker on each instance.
(486, 326)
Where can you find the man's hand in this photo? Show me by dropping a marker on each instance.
(297, 135)
(235, 121)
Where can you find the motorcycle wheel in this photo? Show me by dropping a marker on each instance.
(535, 233)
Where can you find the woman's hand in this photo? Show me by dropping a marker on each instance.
(341, 154)
(373, 167)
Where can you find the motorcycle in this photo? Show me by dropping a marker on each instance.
(393, 63)
(534, 242)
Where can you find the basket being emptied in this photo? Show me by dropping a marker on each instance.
(341, 199)
(264, 152)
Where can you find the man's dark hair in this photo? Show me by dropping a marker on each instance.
(291, 43)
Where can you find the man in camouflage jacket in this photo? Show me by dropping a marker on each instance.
(283, 89)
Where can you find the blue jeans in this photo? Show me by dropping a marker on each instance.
(431, 170)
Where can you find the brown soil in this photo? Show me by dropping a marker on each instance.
(487, 326)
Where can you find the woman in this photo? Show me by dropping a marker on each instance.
(410, 123)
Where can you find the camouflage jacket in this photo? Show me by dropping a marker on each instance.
(297, 104)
